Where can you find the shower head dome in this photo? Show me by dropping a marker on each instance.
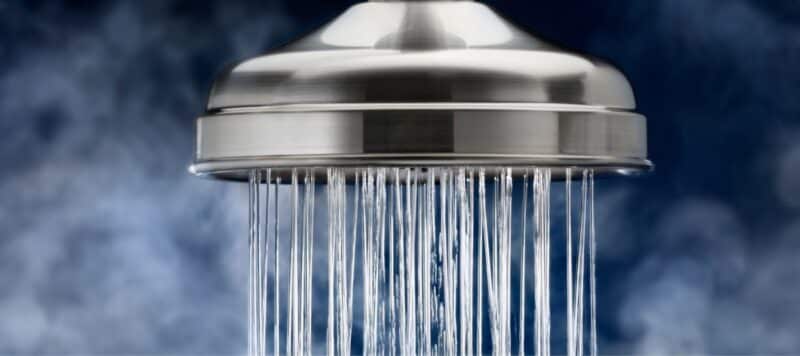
(420, 83)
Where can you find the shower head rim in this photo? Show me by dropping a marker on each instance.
(237, 169)
(486, 137)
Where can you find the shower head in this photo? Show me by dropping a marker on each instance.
(420, 84)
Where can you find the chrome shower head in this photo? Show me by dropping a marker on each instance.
(420, 83)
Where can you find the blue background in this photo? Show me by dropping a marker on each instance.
(109, 246)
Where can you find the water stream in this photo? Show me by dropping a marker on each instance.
(417, 261)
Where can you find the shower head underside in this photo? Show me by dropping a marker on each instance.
(420, 84)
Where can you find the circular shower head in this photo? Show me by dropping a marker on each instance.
(420, 83)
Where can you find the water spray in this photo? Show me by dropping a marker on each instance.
(413, 127)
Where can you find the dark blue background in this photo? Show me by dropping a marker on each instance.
(108, 246)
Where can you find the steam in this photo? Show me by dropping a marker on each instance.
(108, 245)
(711, 267)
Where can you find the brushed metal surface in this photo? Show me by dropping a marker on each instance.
(420, 83)
(410, 52)
(418, 137)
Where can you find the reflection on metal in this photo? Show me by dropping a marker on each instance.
(420, 83)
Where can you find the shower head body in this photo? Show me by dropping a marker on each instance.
(420, 83)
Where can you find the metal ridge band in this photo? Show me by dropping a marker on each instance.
(451, 106)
